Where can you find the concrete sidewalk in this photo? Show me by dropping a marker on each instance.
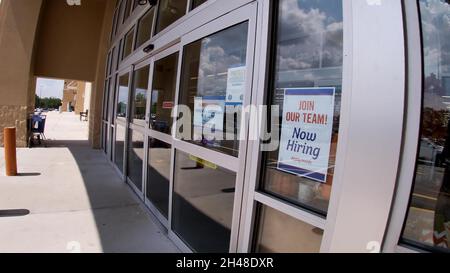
(75, 198)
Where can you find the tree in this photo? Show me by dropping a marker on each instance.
(54, 103)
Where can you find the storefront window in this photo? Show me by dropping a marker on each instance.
(114, 26)
(307, 86)
(135, 157)
(104, 137)
(168, 12)
(128, 9)
(111, 100)
(202, 206)
(163, 93)
(128, 44)
(428, 220)
(122, 97)
(108, 63)
(111, 61)
(106, 100)
(280, 233)
(135, 4)
(196, 3)
(117, 17)
(140, 87)
(119, 147)
(213, 87)
(145, 26)
(158, 174)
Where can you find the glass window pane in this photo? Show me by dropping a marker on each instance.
(135, 4)
(116, 18)
(308, 55)
(105, 137)
(196, 3)
(106, 99)
(213, 87)
(428, 220)
(163, 93)
(135, 157)
(111, 61)
(111, 101)
(140, 87)
(112, 140)
(158, 174)
(168, 12)
(145, 26)
(280, 233)
(128, 8)
(108, 62)
(119, 147)
(114, 25)
(128, 44)
(202, 207)
(122, 98)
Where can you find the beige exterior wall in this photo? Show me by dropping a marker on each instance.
(87, 96)
(79, 98)
(68, 100)
(75, 97)
(73, 43)
(18, 25)
(48, 38)
(68, 39)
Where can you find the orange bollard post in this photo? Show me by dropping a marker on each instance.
(9, 136)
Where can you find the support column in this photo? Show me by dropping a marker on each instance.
(18, 24)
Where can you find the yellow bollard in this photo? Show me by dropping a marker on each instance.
(9, 136)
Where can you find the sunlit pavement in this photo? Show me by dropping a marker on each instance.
(76, 200)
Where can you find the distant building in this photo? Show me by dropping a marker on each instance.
(76, 96)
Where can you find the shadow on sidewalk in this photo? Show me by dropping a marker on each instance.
(122, 224)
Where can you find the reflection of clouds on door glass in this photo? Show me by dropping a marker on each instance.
(123, 94)
(428, 218)
(435, 16)
(309, 37)
(140, 92)
(436, 25)
(220, 52)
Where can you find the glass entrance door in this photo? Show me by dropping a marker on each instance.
(121, 119)
(159, 151)
(210, 143)
(136, 129)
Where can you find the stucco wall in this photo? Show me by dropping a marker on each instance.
(18, 24)
(48, 38)
(79, 98)
(68, 39)
(68, 99)
(73, 43)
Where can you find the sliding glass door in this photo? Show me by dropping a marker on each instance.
(209, 150)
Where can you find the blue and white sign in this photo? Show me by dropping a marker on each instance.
(208, 116)
(236, 86)
(306, 132)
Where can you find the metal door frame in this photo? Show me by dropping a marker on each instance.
(246, 13)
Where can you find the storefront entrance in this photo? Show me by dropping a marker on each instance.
(266, 126)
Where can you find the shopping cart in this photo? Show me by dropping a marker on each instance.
(37, 129)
